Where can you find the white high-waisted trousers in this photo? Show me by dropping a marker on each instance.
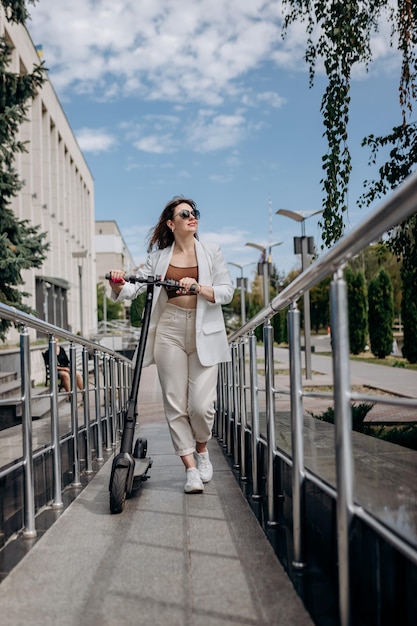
(188, 388)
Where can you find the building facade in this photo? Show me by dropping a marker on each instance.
(111, 253)
(58, 195)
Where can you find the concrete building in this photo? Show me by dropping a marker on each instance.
(58, 195)
(111, 252)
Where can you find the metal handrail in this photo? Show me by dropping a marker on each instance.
(100, 424)
(26, 319)
(233, 395)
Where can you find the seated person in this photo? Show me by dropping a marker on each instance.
(63, 366)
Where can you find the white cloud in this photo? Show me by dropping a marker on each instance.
(158, 144)
(230, 238)
(160, 49)
(95, 140)
(215, 132)
(272, 98)
(180, 50)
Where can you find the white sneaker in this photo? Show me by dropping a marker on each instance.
(204, 466)
(193, 482)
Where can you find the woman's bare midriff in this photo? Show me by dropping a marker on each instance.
(185, 302)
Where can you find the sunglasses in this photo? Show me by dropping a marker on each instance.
(185, 214)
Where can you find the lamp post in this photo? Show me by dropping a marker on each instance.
(304, 245)
(264, 265)
(242, 283)
(80, 255)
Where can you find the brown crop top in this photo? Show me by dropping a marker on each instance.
(176, 273)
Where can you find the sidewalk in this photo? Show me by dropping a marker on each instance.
(368, 378)
(169, 558)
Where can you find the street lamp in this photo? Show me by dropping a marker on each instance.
(304, 245)
(80, 255)
(242, 283)
(264, 265)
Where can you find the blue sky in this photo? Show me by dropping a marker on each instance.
(203, 98)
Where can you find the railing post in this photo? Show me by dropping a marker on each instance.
(223, 404)
(76, 482)
(87, 424)
(121, 396)
(343, 436)
(53, 366)
(218, 430)
(113, 374)
(229, 414)
(234, 397)
(242, 404)
(29, 530)
(108, 399)
(100, 457)
(268, 334)
(297, 428)
(253, 373)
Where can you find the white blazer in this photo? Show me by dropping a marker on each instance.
(211, 339)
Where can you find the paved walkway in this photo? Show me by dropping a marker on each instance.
(168, 559)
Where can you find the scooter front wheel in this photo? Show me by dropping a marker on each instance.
(118, 489)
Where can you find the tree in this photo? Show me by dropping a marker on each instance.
(381, 315)
(343, 38)
(22, 245)
(408, 238)
(375, 257)
(357, 310)
(114, 310)
(136, 310)
(319, 305)
(339, 35)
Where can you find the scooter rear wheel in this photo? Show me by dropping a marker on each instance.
(118, 490)
(141, 448)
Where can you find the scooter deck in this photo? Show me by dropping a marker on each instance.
(140, 470)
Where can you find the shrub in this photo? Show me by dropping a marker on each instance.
(359, 412)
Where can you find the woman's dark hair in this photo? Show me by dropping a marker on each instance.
(162, 236)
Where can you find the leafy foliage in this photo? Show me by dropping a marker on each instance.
(403, 435)
(339, 34)
(114, 310)
(381, 315)
(358, 310)
(22, 245)
(319, 305)
(359, 412)
(136, 310)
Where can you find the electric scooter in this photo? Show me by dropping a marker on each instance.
(129, 469)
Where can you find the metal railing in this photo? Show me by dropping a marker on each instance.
(106, 378)
(239, 396)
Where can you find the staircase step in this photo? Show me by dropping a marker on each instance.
(11, 413)
(7, 377)
(41, 407)
(10, 389)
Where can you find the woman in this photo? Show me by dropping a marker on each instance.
(63, 367)
(187, 337)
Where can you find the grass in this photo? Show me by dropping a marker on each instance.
(389, 361)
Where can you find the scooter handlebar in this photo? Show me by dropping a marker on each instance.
(158, 281)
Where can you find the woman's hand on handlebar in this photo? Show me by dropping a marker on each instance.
(116, 278)
(188, 285)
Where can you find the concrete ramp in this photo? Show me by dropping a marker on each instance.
(168, 559)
